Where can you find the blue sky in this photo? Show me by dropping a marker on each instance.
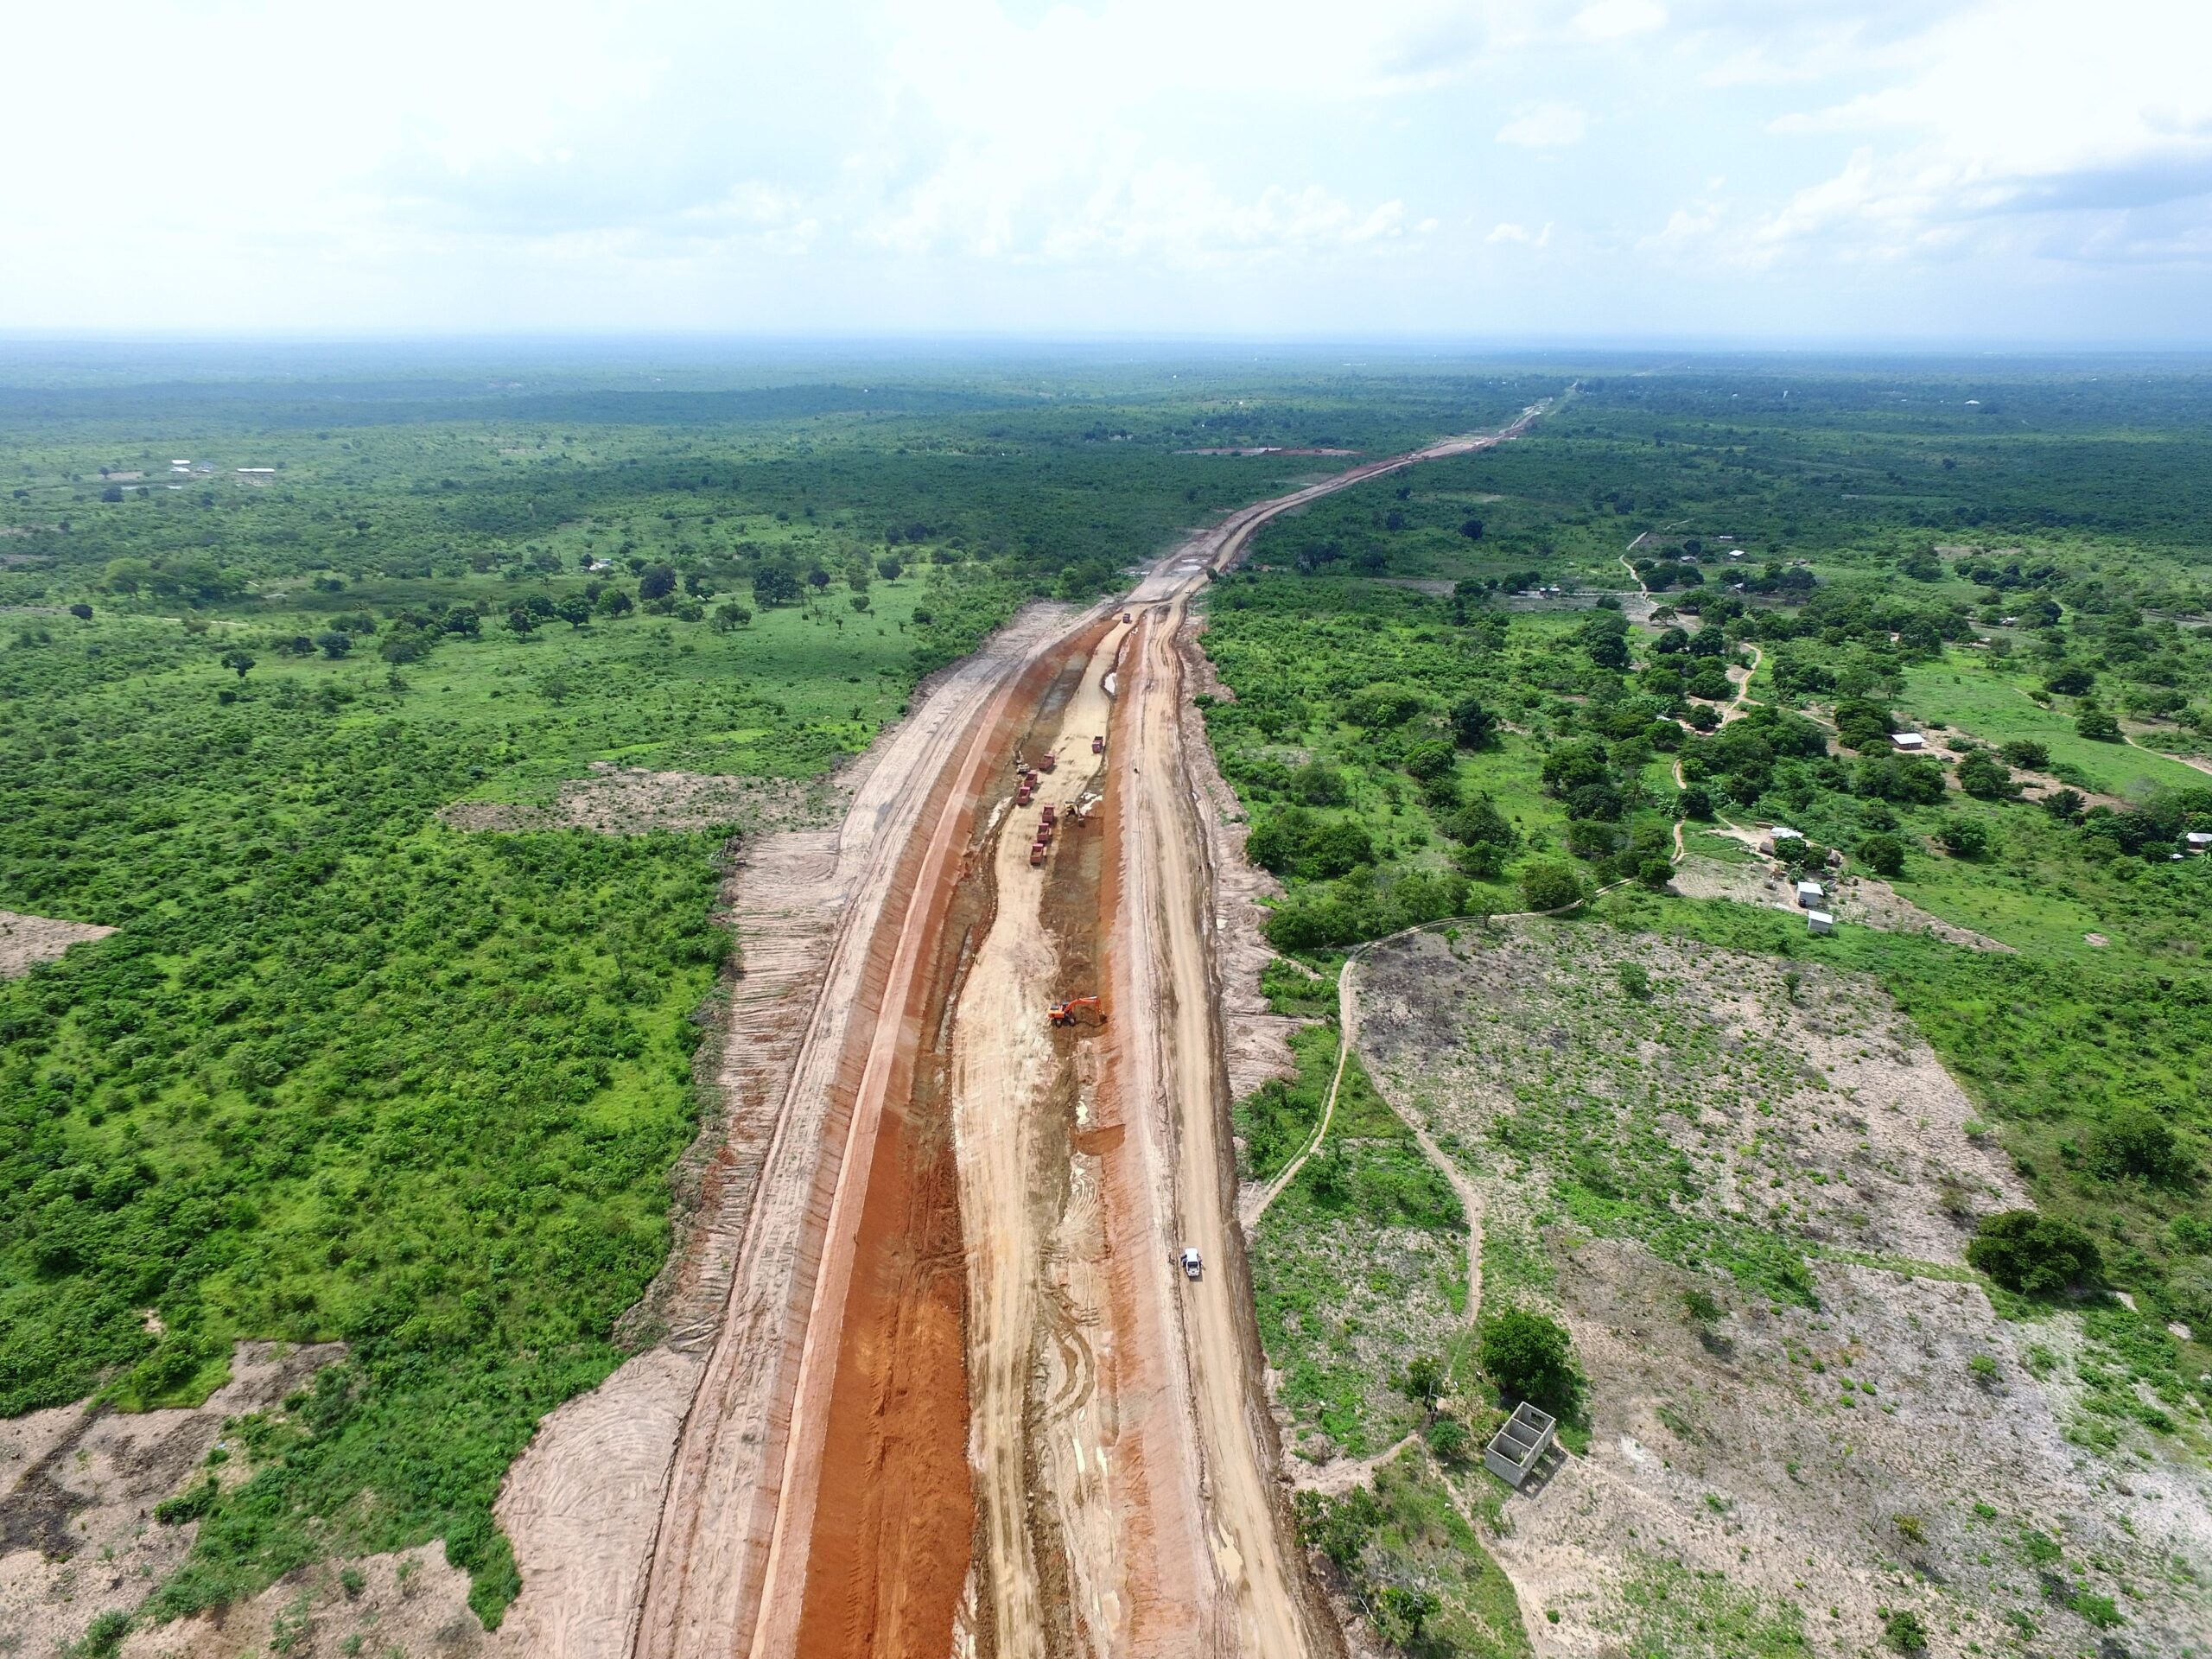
(2009, 171)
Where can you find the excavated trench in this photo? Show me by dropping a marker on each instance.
(895, 1521)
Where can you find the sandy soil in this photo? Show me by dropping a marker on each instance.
(1737, 1450)
(1044, 1353)
(1257, 1040)
(632, 801)
(77, 1485)
(26, 940)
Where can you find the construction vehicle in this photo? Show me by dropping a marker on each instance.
(1022, 793)
(1126, 617)
(1098, 746)
(1036, 854)
(1048, 762)
(1050, 812)
(1063, 1014)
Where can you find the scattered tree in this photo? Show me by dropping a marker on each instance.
(1550, 884)
(2034, 1253)
(1530, 1356)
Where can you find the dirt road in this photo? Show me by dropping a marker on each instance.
(1121, 1493)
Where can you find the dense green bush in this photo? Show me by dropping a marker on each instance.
(1530, 1356)
(1550, 884)
(2033, 1254)
(1882, 854)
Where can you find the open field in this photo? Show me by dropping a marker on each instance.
(1810, 1435)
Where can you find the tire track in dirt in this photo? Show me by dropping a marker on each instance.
(1187, 1496)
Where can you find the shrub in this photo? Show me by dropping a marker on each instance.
(1964, 837)
(2097, 725)
(1338, 1526)
(1425, 1379)
(1379, 707)
(1449, 1438)
(2033, 1255)
(1530, 1356)
(1694, 803)
(1860, 724)
(1986, 777)
(1430, 759)
(2136, 1142)
(1882, 854)
(2026, 754)
(1904, 1631)
(1473, 725)
(1550, 884)
(1636, 981)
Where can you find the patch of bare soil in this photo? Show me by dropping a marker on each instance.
(632, 801)
(79, 1484)
(411, 1602)
(1865, 899)
(26, 941)
(1258, 1040)
(1843, 1461)
(1838, 1458)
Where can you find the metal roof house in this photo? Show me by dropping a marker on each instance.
(1908, 742)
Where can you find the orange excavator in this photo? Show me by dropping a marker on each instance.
(1063, 1014)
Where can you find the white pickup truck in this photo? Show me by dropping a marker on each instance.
(1194, 1265)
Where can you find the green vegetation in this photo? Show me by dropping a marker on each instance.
(1531, 1357)
(1412, 1564)
(1900, 560)
(347, 1070)
(1664, 1610)
(1360, 1266)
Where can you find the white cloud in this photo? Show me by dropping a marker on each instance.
(2012, 108)
(1613, 19)
(1545, 126)
(1508, 231)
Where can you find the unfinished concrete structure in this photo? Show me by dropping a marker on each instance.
(1520, 1446)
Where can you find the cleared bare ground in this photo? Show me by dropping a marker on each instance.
(1799, 1461)
(26, 941)
(1867, 901)
(633, 800)
(77, 1485)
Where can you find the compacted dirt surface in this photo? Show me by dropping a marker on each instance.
(960, 1396)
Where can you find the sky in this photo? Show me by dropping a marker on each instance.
(2015, 172)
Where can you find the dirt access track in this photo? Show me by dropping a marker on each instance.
(949, 1391)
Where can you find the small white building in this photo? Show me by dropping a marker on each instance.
(1809, 894)
(1819, 921)
(2197, 841)
(1908, 742)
